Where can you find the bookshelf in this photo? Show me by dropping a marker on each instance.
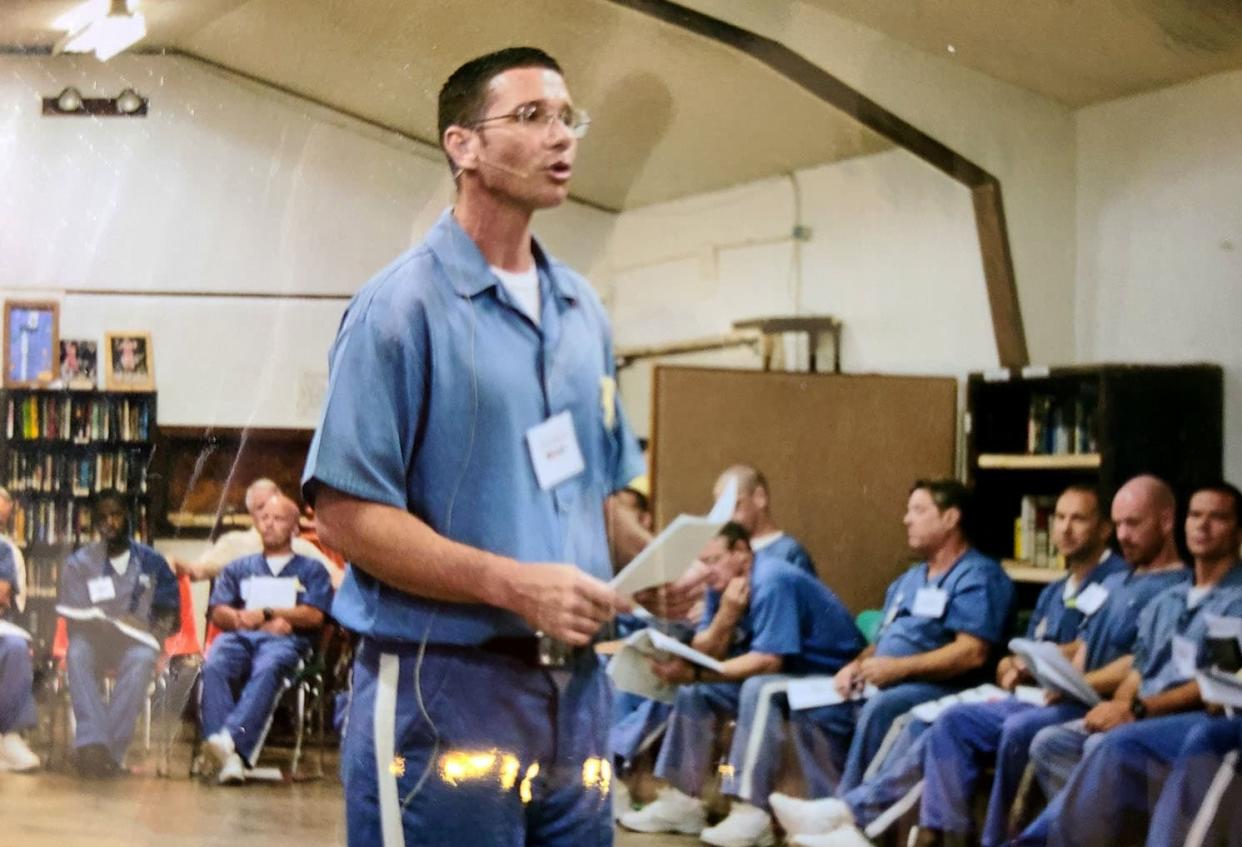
(1030, 433)
(60, 448)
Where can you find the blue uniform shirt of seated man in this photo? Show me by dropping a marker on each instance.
(128, 583)
(260, 646)
(17, 705)
(1115, 759)
(760, 619)
(965, 735)
(943, 620)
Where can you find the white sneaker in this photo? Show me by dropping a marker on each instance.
(810, 817)
(15, 754)
(622, 802)
(746, 826)
(219, 747)
(845, 836)
(233, 771)
(671, 811)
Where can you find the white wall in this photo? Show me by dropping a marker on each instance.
(227, 188)
(1160, 233)
(1026, 140)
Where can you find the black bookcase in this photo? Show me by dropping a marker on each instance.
(60, 448)
(1031, 433)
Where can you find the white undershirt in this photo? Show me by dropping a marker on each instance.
(277, 563)
(523, 286)
(120, 563)
(759, 542)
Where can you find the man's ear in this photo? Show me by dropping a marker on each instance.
(460, 144)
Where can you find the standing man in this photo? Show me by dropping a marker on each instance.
(120, 601)
(471, 435)
(753, 513)
(263, 638)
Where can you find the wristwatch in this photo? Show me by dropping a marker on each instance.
(268, 614)
(1138, 708)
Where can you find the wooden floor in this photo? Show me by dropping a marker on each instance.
(55, 810)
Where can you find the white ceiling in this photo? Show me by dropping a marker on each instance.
(673, 114)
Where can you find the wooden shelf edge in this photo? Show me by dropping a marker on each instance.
(1022, 461)
(1020, 570)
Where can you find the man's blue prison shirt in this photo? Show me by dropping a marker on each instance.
(436, 375)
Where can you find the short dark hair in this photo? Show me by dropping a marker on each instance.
(1220, 486)
(732, 533)
(464, 94)
(949, 494)
(640, 499)
(1091, 491)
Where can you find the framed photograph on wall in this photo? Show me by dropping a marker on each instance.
(79, 360)
(31, 343)
(129, 364)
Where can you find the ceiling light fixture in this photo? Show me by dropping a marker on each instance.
(127, 104)
(104, 27)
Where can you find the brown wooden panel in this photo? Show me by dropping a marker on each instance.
(840, 452)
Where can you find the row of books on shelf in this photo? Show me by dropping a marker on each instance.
(1056, 425)
(65, 522)
(78, 476)
(1032, 533)
(43, 580)
(78, 419)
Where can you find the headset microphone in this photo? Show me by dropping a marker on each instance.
(511, 171)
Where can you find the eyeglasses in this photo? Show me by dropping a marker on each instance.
(540, 116)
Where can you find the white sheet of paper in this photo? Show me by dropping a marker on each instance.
(1032, 694)
(12, 629)
(270, 592)
(96, 614)
(671, 553)
(1220, 687)
(101, 589)
(1090, 599)
(1053, 671)
(931, 710)
(554, 450)
(930, 602)
(812, 692)
(631, 671)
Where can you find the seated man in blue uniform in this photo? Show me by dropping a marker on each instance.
(753, 513)
(943, 620)
(17, 706)
(1097, 621)
(120, 601)
(471, 433)
(1126, 744)
(762, 617)
(269, 606)
(1201, 797)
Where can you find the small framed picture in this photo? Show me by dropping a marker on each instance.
(31, 343)
(129, 364)
(78, 363)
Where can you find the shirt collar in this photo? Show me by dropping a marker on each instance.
(468, 271)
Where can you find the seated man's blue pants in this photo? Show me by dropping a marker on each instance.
(1202, 798)
(898, 775)
(92, 651)
(820, 734)
(961, 744)
(756, 754)
(699, 713)
(636, 724)
(472, 747)
(17, 705)
(242, 680)
(1110, 795)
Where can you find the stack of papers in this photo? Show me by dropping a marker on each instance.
(631, 671)
(1053, 671)
(94, 613)
(811, 692)
(671, 553)
(1220, 687)
(931, 710)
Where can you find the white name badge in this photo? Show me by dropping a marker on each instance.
(554, 451)
(1185, 656)
(1090, 599)
(930, 602)
(270, 592)
(1041, 629)
(101, 589)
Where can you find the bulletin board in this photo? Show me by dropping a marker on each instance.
(839, 451)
